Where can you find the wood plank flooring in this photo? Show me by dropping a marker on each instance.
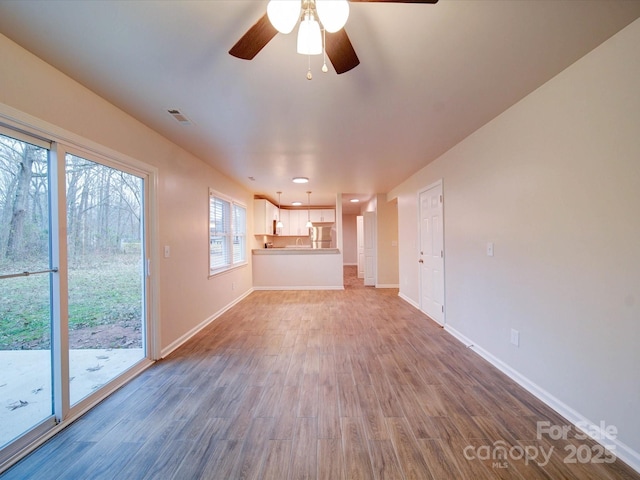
(352, 384)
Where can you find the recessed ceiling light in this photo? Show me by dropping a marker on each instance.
(296, 204)
(354, 200)
(300, 180)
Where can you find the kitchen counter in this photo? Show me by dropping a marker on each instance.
(297, 268)
(294, 251)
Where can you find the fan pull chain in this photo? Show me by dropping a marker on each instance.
(324, 51)
(309, 75)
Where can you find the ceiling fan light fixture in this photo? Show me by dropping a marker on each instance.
(309, 37)
(284, 14)
(333, 14)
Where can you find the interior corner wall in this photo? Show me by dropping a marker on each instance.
(554, 183)
(387, 242)
(187, 297)
(349, 239)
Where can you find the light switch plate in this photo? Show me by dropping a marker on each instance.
(167, 251)
(490, 249)
(515, 337)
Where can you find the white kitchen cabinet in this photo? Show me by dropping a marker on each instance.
(264, 213)
(294, 223)
(298, 223)
(325, 215)
(283, 215)
(292, 226)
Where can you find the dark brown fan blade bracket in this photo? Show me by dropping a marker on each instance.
(254, 40)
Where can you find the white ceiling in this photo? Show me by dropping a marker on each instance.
(429, 76)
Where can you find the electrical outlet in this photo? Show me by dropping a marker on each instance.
(233, 285)
(515, 337)
(490, 249)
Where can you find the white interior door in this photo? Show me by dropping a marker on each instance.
(369, 230)
(431, 257)
(360, 242)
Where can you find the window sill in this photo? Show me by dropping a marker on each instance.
(221, 271)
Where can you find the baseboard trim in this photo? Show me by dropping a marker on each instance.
(408, 300)
(315, 287)
(622, 451)
(184, 338)
(387, 285)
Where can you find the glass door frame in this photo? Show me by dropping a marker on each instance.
(63, 142)
(63, 409)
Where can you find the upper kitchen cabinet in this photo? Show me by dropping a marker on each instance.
(294, 223)
(326, 215)
(298, 223)
(283, 216)
(264, 214)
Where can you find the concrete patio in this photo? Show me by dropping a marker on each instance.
(25, 382)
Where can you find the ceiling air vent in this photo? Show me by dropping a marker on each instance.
(180, 118)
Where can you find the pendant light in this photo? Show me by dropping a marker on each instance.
(309, 224)
(279, 224)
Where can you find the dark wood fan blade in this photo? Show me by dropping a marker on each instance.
(254, 40)
(396, 1)
(340, 51)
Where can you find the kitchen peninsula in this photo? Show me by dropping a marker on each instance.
(297, 268)
(295, 257)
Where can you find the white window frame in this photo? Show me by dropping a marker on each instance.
(234, 237)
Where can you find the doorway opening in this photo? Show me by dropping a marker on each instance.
(351, 278)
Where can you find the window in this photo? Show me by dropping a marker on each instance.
(227, 233)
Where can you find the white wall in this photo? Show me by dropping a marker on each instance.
(187, 296)
(349, 240)
(387, 247)
(554, 182)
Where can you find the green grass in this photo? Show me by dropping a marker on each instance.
(102, 291)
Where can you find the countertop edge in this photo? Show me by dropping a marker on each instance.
(294, 251)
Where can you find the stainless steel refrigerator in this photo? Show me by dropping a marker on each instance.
(321, 235)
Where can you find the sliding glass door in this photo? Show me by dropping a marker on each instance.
(73, 283)
(25, 289)
(106, 274)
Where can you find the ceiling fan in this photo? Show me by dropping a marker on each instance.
(337, 45)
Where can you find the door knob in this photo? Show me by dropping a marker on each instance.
(420, 261)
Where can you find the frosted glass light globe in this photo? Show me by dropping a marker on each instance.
(333, 14)
(284, 14)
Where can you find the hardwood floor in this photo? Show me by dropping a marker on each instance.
(352, 384)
